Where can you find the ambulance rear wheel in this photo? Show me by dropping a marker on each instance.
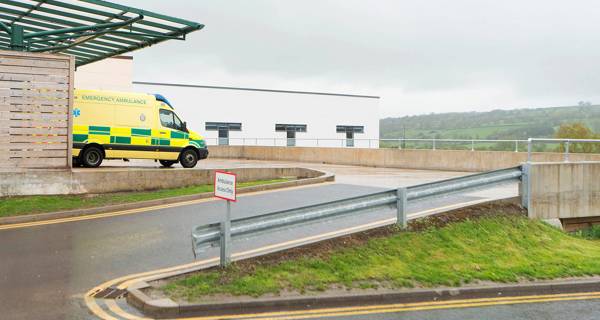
(167, 163)
(188, 158)
(92, 157)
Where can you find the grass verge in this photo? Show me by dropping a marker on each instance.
(497, 248)
(591, 233)
(14, 206)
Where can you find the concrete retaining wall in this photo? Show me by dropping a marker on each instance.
(115, 180)
(450, 160)
(564, 190)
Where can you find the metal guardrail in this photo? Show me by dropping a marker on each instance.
(566, 142)
(206, 236)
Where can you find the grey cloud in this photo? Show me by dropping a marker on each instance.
(542, 50)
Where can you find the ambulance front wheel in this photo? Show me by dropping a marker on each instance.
(92, 157)
(188, 158)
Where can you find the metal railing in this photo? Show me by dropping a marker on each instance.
(399, 143)
(470, 143)
(212, 235)
(567, 145)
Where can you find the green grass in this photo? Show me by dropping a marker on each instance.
(498, 249)
(592, 233)
(13, 206)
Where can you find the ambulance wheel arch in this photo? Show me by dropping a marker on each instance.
(189, 157)
(91, 155)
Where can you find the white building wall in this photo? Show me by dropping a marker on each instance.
(259, 111)
(113, 74)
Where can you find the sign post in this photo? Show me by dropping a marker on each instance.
(226, 188)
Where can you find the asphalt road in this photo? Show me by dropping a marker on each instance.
(43, 267)
(557, 310)
(44, 270)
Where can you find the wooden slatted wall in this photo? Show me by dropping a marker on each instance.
(36, 101)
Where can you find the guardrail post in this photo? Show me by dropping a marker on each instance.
(433, 143)
(472, 145)
(526, 185)
(529, 147)
(401, 204)
(516, 145)
(567, 144)
(225, 243)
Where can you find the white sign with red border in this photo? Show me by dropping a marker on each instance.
(225, 185)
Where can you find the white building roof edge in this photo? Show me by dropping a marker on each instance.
(252, 89)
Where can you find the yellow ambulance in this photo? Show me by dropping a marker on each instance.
(119, 125)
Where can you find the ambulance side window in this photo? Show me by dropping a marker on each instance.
(166, 119)
(170, 120)
(178, 123)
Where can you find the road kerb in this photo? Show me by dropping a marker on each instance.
(326, 177)
(504, 293)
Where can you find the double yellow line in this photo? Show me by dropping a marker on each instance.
(379, 309)
(100, 215)
(406, 307)
(137, 210)
(126, 281)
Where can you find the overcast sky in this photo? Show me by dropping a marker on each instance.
(419, 56)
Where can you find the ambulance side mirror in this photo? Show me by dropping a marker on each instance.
(185, 126)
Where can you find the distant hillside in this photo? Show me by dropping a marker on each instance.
(497, 124)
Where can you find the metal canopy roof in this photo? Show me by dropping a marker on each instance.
(90, 30)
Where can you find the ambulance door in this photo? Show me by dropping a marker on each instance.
(170, 135)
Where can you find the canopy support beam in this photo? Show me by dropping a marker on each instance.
(17, 36)
(82, 37)
(90, 30)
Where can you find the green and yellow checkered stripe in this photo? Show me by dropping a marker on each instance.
(132, 136)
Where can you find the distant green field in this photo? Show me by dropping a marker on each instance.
(475, 133)
(497, 124)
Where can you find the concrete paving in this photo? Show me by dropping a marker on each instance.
(46, 269)
(372, 176)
